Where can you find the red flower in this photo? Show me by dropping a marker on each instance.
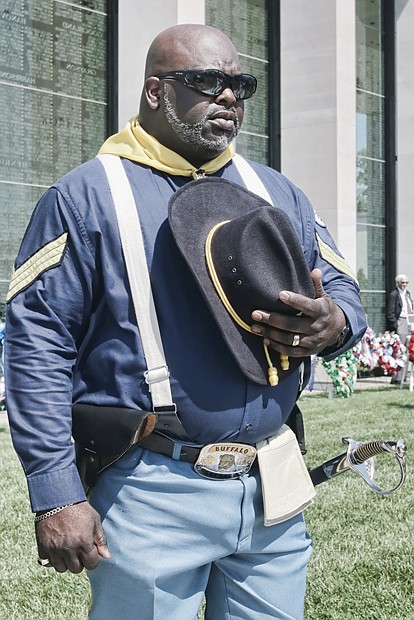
(411, 347)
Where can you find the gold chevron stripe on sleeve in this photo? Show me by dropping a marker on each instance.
(50, 255)
(333, 258)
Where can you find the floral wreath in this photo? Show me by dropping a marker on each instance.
(342, 372)
(410, 348)
(385, 351)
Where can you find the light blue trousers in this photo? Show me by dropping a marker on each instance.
(175, 536)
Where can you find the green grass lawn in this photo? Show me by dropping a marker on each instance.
(362, 566)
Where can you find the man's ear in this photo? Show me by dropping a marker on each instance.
(152, 92)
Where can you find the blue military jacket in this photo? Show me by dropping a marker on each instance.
(71, 333)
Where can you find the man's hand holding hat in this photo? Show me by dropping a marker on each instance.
(319, 325)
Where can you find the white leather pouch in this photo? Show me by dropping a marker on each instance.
(286, 485)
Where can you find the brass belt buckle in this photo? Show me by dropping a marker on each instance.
(222, 461)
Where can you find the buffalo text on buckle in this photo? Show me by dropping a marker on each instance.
(222, 461)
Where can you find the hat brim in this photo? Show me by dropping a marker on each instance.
(193, 211)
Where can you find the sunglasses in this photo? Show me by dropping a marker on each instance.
(212, 81)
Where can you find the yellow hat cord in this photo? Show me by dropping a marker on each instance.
(284, 360)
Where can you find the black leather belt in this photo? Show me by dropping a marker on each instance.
(173, 448)
(180, 451)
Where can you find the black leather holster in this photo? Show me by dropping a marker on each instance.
(103, 434)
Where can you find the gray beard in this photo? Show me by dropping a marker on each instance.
(192, 134)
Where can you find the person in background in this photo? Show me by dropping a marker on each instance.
(156, 536)
(399, 307)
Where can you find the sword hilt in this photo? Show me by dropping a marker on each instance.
(374, 448)
(360, 458)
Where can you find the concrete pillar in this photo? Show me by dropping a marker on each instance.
(405, 138)
(139, 22)
(318, 109)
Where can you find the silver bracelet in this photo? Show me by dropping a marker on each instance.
(50, 513)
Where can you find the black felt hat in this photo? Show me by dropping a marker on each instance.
(242, 251)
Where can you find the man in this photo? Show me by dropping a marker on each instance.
(400, 306)
(72, 338)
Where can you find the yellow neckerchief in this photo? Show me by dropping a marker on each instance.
(134, 143)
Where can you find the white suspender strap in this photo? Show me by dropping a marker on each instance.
(157, 375)
(251, 179)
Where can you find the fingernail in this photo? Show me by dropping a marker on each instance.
(283, 296)
(256, 329)
(257, 316)
(104, 553)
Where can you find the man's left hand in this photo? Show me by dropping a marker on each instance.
(317, 325)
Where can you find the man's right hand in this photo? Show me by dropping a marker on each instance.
(72, 539)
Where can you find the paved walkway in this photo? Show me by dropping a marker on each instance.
(368, 383)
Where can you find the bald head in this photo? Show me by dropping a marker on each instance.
(189, 46)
